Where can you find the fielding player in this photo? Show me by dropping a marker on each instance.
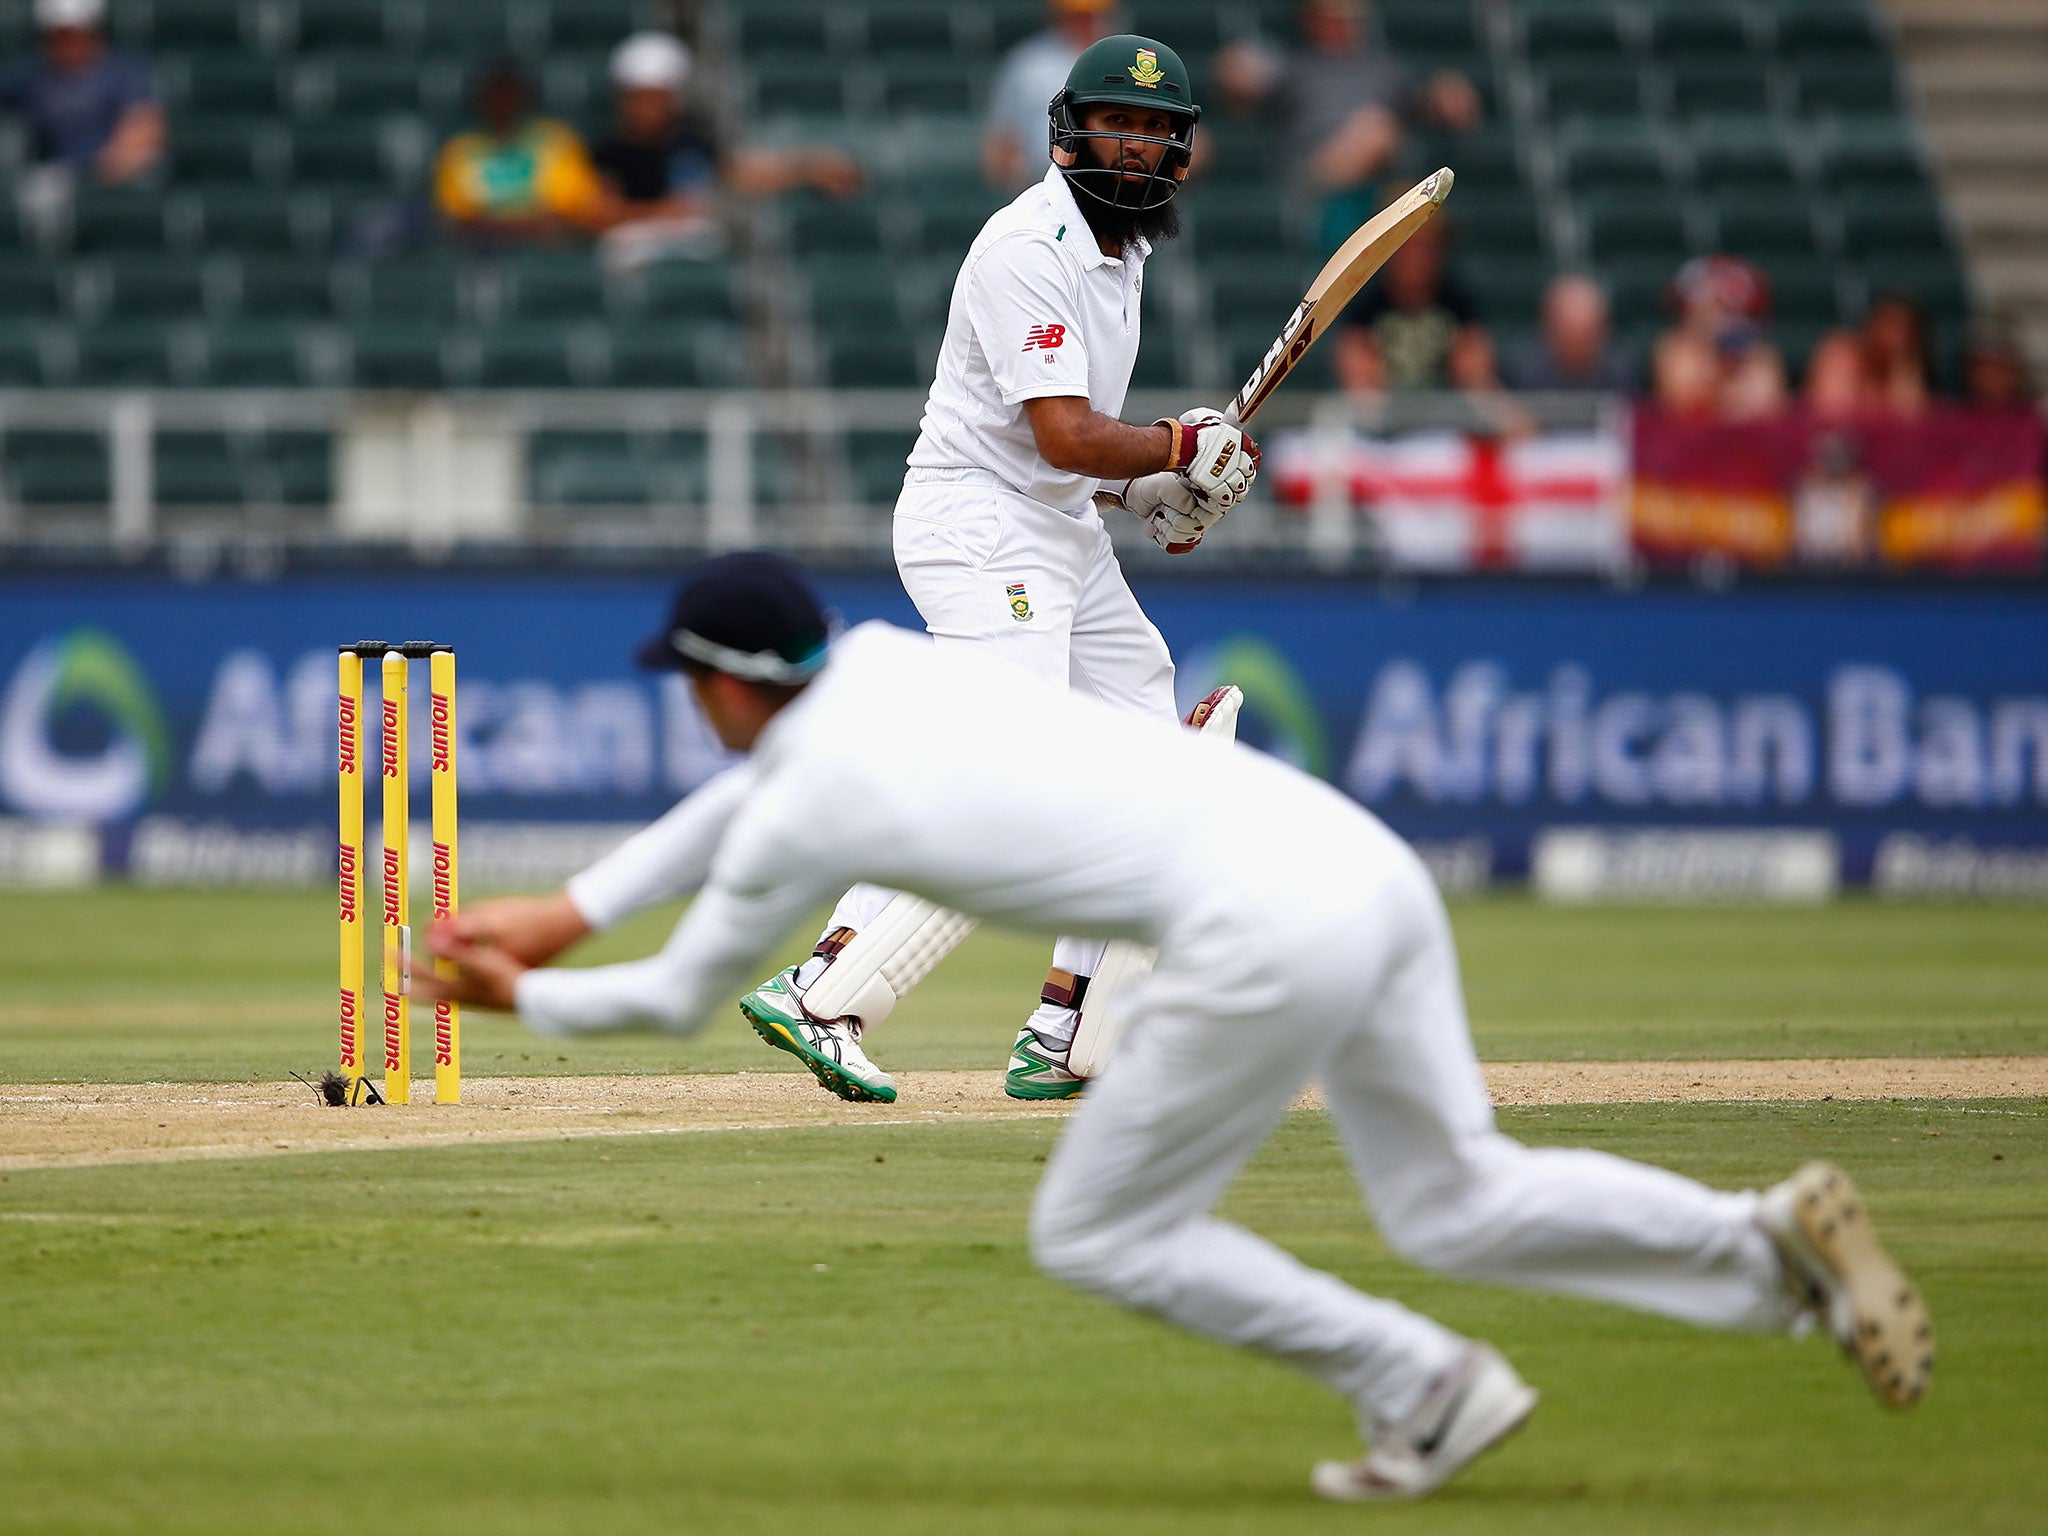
(895, 760)
(997, 534)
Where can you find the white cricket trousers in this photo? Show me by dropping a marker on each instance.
(1033, 587)
(1356, 986)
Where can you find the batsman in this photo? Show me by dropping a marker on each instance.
(999, 534)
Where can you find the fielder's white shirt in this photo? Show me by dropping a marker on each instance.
(922, 769)
(1037, 310)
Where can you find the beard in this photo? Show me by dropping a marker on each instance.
(1119, 226)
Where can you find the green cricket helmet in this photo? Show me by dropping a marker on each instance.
(1126, 71)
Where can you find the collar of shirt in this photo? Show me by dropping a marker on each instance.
(1061, 209)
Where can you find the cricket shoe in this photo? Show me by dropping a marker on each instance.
(1038, 1070)
(831, 1049)
(1837, 1268)
(1467, 1411)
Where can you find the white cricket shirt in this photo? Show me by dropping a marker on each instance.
(923, 769)
(1037, 310)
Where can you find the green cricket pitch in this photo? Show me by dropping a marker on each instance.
(837, 1328)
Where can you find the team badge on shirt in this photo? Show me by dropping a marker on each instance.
(1050, 337)
(1020, 604)
(1147, 71)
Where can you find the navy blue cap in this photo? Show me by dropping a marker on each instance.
(751, 615)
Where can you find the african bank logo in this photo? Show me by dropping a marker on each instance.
(1147, 71)
(1278, 716)
(81, 735)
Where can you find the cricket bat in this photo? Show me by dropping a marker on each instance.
(1341, 278)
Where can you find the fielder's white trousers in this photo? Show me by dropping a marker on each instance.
(1356, 986)
(1032, 587)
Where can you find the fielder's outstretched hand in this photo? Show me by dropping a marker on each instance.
(530, 928)
(484, 977)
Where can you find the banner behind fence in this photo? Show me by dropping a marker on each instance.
(185, 732)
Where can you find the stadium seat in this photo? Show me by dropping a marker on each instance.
(575, 87)
(1883, 158)
(250, 218)
(784, 28)
(855, 285)
(1501, 221)
(56, 468)
(1506, 289)
(1730, 163)
(1248, 225)
(1832, 31)
(1238, 152)
(126, 354)
(817, 225)
(472, 32)
(586, 469)
(1607, 164)
(1637, 290)
(152, 288)
(1737, 85)
(262, 354)
(1932, 279)
(1600, 87)
(227, 84)
(292, 468)
(340, 154)
(322, 26)
(882, 361)
(1854, 87)
(1698, 29)
(687, 290)
(1162, 361)
(427, 290)
(198, 469)
(1637, 227)
(875, 465)
(32, 288)
(1485, 157)
(672, 356)
(1251, 288)
(223, 152)
(1592, 27)
(1804, 293)
(927, 86)
(805, 87)
(915, 27)
(178, 26)
(369, 84)
(1245, 345)
(598, 24)
(1764, 231)
(1412, 27)
(21, 358)
(119, 219)
(1892, 225)
(390, 355)
(527, 357)
(551, 285)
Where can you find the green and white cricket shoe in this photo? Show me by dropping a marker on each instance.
(1038, 1070)
(831, 1050)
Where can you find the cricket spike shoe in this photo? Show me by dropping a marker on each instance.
(830, 1048)
(1038, 1070)
(1467, 1411)
(1839, 1270)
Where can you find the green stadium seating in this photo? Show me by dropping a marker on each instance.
(1587, 28)
(1698, 29)
(1429, 27)
(119, 219)
(1245, 345)
(526, 357)
(259, 219)
(1829, 31)
(587, 469)
(324, 26)
(1637, 227)
(227, 84)
(472, 32)
(33, 288)
(294, 468)
(1933, 279)
(359, 83)
(1636, 291)
(1610, 164)
(424, 289)
(56, 468)
(881, 361)
(1251, 288)
(198, 469)
(875, 465)
(927, 86)
(674, 356)
(1727, 164)
(1248, 225)
(126, 353)
(686, 290)
(819, 225)
(1892, 225)
(283, 288)
(152, 288)
(550, 285)
(340, 154)
(1160, 363)
(21, 358)
(176, 25)
(1763, 231)
(1716, 86)
(1501, 221)
(1578, 87)
(389, 355)
(1804, 293)
(1485, 157)
(1883, 157)
(855, 285)
(226, 152)
(597, 23)
(1865, 87)
(913, 27)
(261, 354)
(1507, 289)
(762, 27)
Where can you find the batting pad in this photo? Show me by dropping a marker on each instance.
(888, 957)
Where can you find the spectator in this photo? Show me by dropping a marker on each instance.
(90, 110)
(520, 179)
(1014, 147)
(1995, 376)
(1414, 327)
(663, 163)
(1717, 363)
(1879, 369)
(1341, 105)
(1576, 352)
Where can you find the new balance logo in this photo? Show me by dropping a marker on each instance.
(1050, 337)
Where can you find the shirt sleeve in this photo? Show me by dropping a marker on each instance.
(760, 887)
(670, 858)
(453, 188)
(1027, 318)
(567, 183)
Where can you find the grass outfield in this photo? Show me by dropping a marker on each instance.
(125, 986)
(838, 1331)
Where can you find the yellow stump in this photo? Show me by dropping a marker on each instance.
(447, 1015)
(397, 895)
(349, 772)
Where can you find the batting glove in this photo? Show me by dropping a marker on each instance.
(1174, 516)
(1217, 459)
